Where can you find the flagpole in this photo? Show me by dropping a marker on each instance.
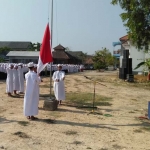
(51, 50)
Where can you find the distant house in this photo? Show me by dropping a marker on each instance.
(134, 53)
(15, 45)
(23, 56)
(61, 56)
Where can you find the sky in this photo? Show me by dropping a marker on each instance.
(80, 25)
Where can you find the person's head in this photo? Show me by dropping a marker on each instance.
(31, 66)
(59, 67)
(35, 68)
(11, 66)
(20, 64)
(15, 67)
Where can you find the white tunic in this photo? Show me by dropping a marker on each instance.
(21, 79)
(59, 89)
(15, 80)
(9, 80)
(31, 98)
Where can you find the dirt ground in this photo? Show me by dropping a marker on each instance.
(115, 127)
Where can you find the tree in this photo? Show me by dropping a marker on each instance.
(34, 46)
(137, 20)
(83, 57)
(103, 58)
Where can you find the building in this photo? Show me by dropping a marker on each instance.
(23, 56)
(137, 55)
(15, 45)
(60, 56)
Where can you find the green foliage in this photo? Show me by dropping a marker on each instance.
(1, 60)
(103, 58)
(146, 63)
(137, 20)
(4, 50)
(34, 46)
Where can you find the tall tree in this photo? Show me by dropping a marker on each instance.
(137, 20)
(103, 58)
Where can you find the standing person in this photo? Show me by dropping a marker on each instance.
(31, 98)
(59, 88)
(9, 80)
(15, 80)
(21, 78)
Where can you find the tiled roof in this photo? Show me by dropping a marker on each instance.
(23, 53)
(14, 45)
(124, 38)
(60, 55)
(59, 47)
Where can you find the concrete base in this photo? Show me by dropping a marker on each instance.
(50, 104)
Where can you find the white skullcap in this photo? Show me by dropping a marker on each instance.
(20, 64)
(31, 64)
(35, 65)
(59, 65)
(11, 65)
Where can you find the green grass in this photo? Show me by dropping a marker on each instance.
(70, 132)
(21, 134)
(87, 99)
(146, 128)
(23, 123)
(77, 142)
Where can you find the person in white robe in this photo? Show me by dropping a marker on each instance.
(31, 98)
(15, 80)
(21, 78)
(9, 80)
(59, 88)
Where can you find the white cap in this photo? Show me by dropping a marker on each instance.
(20, 64)
(11, 65)
(35, 65)
(31, 64)
(59, 65)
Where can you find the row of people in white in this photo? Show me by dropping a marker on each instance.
(70, 67)
(15, 79)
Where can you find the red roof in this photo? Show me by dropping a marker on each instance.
(124, 38)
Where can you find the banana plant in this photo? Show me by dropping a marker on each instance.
(146, 63)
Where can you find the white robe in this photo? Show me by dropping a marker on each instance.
(31, 98)
(59, 89)
(21, 79)
(15, 80)
(9, 80)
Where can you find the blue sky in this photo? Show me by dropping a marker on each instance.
(81, 25)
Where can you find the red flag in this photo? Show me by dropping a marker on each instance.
(45, 51)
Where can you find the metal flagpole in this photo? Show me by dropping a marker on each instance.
(51, 51)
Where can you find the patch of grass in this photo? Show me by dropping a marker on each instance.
(88, 148)
(131, 112)
(70, 132)
(23, 123)
(87, 99)
(77, 142)
(21, 134)
(116, 146)
(146, 128)
(137, 131)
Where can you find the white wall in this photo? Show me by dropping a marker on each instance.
(137, 56)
